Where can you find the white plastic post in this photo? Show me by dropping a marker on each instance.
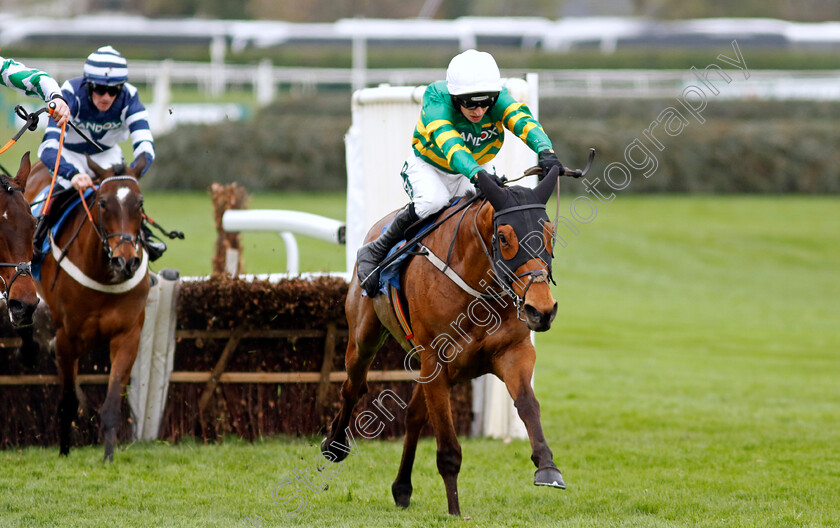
(264, 82)
(159, 118)
(155, 356)
(217, 80)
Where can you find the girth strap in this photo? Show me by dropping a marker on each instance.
(454, 277)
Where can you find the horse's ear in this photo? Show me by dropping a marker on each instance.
(139, 165)
(494, 193)
(544, 188)
(98, 171)
(23, 171)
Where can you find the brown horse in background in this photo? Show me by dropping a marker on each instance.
(17, 227)
(501, 249)
(95, 281)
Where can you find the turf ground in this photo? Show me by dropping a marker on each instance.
(691, 379)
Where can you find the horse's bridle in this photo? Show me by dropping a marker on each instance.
(103, 234)
(505, 269)
(21, 268)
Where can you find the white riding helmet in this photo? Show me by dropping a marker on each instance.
(473, 72)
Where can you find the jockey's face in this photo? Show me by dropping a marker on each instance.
(103, 102)
(475, 114)
(103, 96)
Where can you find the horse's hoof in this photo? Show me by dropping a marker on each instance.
(335, 455)
(402, 494)
(549, 476)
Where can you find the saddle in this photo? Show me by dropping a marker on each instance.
(390, 278)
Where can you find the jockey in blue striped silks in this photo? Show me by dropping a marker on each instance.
(105, 106)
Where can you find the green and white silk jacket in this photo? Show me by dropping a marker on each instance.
(451, 142)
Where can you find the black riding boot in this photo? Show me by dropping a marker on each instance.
(371, 254)
(42, 227)
(154, 246)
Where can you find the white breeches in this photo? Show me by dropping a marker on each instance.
(430, 188)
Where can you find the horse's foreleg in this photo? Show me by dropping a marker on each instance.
(123, 354)
(68, 405)
(29, 350)
(515, 369)
(415, 418)
(448, 450)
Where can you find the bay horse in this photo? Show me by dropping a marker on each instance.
(474, 321)
(95, 281)
(17, 227)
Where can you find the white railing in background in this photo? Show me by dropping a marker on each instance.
(264, 79)
(285, 223)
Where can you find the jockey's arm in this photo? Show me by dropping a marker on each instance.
(142, 140)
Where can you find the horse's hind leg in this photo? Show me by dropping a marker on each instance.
(366, 337)
(415, 418)
(515, 368)
(123, 353)
(68, 404)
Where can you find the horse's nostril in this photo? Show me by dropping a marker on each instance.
(118, 263)
(134, 265)
(532, 313)
(22, 312)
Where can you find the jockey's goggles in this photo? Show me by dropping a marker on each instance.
(476, 100)
(102, 89)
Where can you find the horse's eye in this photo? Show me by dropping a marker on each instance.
(102, 204)
(502, 240)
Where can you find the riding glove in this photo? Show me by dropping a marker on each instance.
(547, 161)
(499, 181)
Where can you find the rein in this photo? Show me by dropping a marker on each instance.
(416, 239)
(507, 290)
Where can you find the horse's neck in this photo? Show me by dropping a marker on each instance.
(86, 249)
(471, 239)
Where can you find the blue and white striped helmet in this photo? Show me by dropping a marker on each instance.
(106, 66)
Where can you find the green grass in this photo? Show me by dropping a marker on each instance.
(262, 252)
(690, 380)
